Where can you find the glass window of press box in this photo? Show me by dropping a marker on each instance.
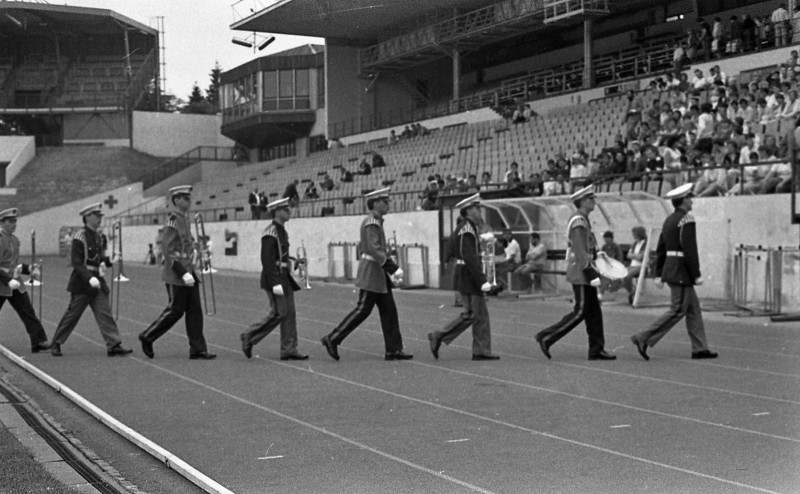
(274, 90)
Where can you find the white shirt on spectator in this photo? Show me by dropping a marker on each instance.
(779, 15)
(705, 125)
(513, 252)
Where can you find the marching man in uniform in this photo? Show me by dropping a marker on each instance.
(374, 279)
(178, 274)
(11, 286)
(88, 286)
(581, 250)
(277, 281)
(678, 264)
(470, 281)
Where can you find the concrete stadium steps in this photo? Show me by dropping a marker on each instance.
(59, 175)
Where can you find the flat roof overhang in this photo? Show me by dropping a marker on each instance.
(270, 129)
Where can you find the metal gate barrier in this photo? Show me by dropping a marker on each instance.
(766, 280)
(412, 259)
(342, 260)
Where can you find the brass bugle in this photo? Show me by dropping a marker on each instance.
(302, 265)
(205, 263)
(116, 279)
(488, 261)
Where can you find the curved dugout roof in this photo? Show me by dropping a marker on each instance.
(549, 215)
(24, 18)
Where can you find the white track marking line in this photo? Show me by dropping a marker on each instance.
(457, 440)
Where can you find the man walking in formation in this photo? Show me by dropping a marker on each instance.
(277, 281)
(88, 286)
(178, 273)
(470, 281)
(678, 264)
(374, 279)
(581, 249)
(11, 285)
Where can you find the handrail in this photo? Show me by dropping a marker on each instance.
(187, 159)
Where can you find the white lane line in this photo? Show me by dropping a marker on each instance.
(270, 457)
(457, 440)
(593, 369)
(760, 414)
(621, 426)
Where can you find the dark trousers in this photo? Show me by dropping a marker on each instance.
(475, 315)
(587, 308)
(683, 303)
(387, 309)
(182, 300)
(22, 304)
(281, 312)
(98, 301)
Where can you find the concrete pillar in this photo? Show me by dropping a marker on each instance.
(456, 73)
(588, 45)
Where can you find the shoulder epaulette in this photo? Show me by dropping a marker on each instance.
(578, 221)
(687, 218)
(80, 236)
(172, 221)
(270, 231)
(467, 229)
(372, 221)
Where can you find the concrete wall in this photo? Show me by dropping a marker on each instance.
(171, 134)
(48, 222)
(315, 233)
(106, 128)
(17, 151)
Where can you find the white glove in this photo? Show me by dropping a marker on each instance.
(36, 272)
(659, 283)
(94, 282)
(487, 236)
(116, 259)
(596, 282)
(13, 284)
(698, 281)
(398, 274)
(188, 279)
(486, 287)
(277, 290)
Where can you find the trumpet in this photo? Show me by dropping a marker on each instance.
(488, 260)
(116, 255)
(36, 278)
(302, 265)
(205, 261)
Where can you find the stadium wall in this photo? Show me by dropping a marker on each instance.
(110, 129)
(17, 151)
(48, 222)
(203, 170)
(171, 134)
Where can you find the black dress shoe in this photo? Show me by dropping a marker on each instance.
(544, 347)
(55, 350)
(247, 347)
(486, 357)
(294, 356)
(603, 355)
(202, 356)
(435, 344)
(40, 347)
(118, 351)
(147, 347)
(641, 346)
(704, 354)
(399, 355)
(330, 347)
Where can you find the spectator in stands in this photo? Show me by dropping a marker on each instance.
(461, 184)
(717, 38)
(327, 182)
(377, 160)
(254, 200)
(311, 191)
(679, 58)
(766, 33)
(713, 181)
(430, 196)
(612, 250)
(636, 257)
(529, 273)
(778, 179)
(749, 34)
(512, 173)
(335, 143)
(392, 138)
(699, 81)
(535, 185)
(406, 134)
(291, 192)
(450, 186)
(672, 164)
(705, 38)
(705, 128)
(486, 180)
(472, 183)
(347, 175)
(578, 173)
(734, 44)
(752, 176)
(780, 21)
(364, 168)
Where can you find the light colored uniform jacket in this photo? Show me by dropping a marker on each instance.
(374, 262)
(9, 260)
(581, 250)
(178, 248)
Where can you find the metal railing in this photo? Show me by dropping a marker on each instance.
(187, 159)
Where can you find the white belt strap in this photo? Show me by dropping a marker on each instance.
(675, 253)
(367, 257)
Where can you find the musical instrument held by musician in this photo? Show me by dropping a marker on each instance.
(205, 264)
(488, 258)
(302, 265)
(609, 267)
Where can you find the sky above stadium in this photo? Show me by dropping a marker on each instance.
(196, 34)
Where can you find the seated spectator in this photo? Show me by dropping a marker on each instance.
(699, 81)
(461, 183)
(734, 44)
(512, 173)
(511, 259)
(578, 173)
(535, 263)
(613, 251)
(672, 162)
(377, 160)
(326, 183)
(392, 138)
(778, 179)
(406, 134)
(364, 168)
(311, 191)
(752, 175)
(347, 175)
(535, 185)
(430, 196)
(486, 180)
(450, 185)
(472, 183)
(713, 181)
(254, 200)
(519, 115)
(291, 192)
